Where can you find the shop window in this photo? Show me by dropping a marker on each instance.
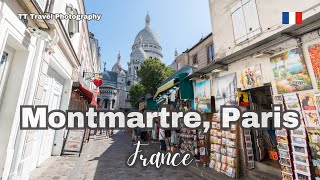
(106, 102)
(210, 53)
(195, 59)
(113, 102)
(245, 20)
(3, 63)
(73, 25)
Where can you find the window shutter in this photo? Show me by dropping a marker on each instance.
(239, 26)
(251, 17)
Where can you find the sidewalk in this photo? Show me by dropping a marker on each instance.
(106, 159)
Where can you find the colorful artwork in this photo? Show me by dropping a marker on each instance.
(203, 96)
(314, 135)
(314, 53)
(251, 77)
(290, 72)
(315, 150)
(225, 91)
(316, 167)
(307, 101)
(317, 96)
(243, 99)
(311, 119)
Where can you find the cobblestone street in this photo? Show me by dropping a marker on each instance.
(106, 159)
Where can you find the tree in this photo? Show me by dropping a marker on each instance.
(136, 92)
(152, 73)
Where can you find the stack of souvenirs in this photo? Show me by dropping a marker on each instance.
(223, 156)
(294, 147)
(285, 160)
(311, 122)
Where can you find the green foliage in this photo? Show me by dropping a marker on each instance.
(152, 73)
(136, 92)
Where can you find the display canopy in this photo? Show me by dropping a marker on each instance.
(176, 77)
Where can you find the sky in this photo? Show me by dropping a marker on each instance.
(179, 24)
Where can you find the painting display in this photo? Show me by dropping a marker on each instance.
(243, 99)
(203, 96)
(225, 91)
(251, 77)
(307, 101)
(290, 72)
(314, 53)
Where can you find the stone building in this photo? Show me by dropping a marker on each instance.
(40, 61)
(117, 81)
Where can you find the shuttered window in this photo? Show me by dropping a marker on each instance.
(245, 20)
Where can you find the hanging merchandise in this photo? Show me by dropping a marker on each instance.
(224, 156)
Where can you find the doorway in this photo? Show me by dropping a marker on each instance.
(264, 141)
(52, 93)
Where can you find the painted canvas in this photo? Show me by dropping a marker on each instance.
(290, 72)
(243, 99)
(314, 53)
(225, 91)
(307, 101)
(251, 77)
(203, 96)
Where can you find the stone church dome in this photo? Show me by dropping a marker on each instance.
(117, 67)
(147, 34)
(138, 54)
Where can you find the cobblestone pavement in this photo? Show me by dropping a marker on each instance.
(106, 159)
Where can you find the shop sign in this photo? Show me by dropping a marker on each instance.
(251, 77)
(290, 72)
(203, 96)
(74, 140)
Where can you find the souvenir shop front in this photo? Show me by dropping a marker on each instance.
(290, 77)
(180, 96)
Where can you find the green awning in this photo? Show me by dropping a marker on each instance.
(164, 87)
(170, 81)
(186, 87)
(151, 104)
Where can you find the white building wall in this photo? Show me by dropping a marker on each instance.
(270, 19)
(26, 77)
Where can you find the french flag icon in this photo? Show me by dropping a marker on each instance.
(291, 17)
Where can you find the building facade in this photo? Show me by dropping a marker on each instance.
(249, 36)
(40, 61)
(198, 56)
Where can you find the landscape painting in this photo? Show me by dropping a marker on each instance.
(290, 72)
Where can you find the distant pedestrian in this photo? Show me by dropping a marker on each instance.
(162, 136)
(134, 135)
(107, 133)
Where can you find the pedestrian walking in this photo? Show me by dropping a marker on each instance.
(107, 133)
(162, 136)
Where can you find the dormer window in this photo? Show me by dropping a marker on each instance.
(73, 25)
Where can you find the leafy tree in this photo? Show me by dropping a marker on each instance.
(136, 92)
(152, 73)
